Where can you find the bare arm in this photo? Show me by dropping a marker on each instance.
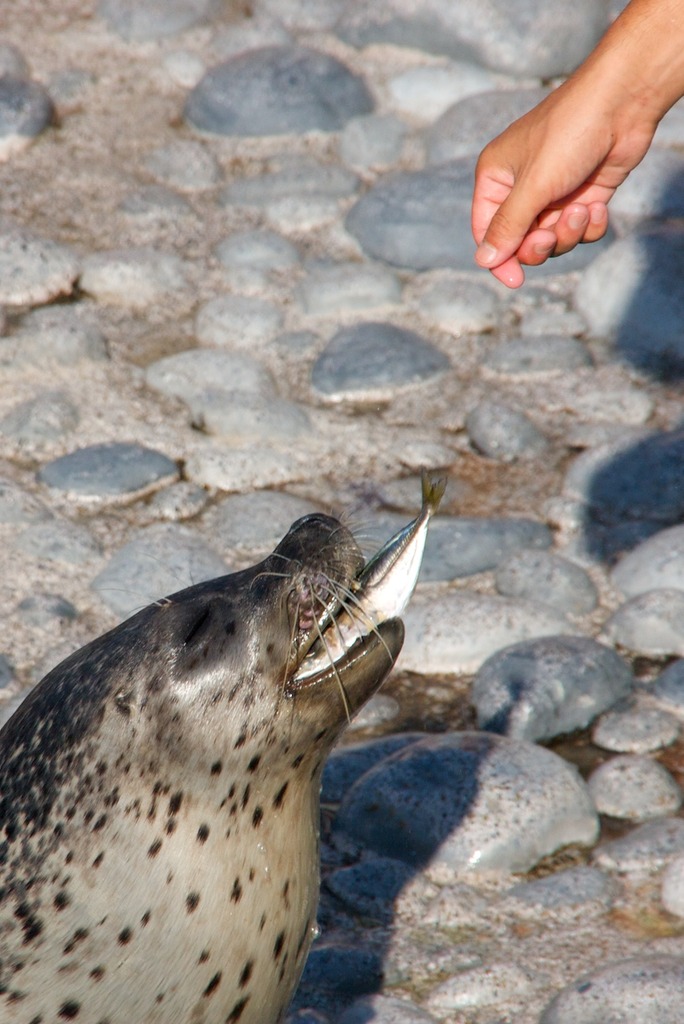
(542, 185)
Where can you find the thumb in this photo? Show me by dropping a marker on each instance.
(511, 222)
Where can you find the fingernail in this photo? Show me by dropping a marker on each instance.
(596, 215)
(542, 249)
(486, 254)
(577, 220)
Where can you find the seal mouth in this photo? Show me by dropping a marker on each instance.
(351, 618)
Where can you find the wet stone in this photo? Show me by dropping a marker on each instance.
(188, 374)
(33, 270)
(536, 355)
(656, 563)
(276, 90)
(159, 560)
(456, 631)
(330, 288)
(532, 38)
(467, 126)
(347, 764)
(431, 803)
(371, 359)
(635, 788)
(134, 278)
(369, 889)
(372, 142)
(237, 322)
(184, 164)
(542, 688)
(547, 577)
(41, 610)
(142, 20)
(651, 624)
(645, 990)
(25, 111)
(45, 418)
(256, 522)
(58, 541)
(636, 730)
(672, 889)
(500, 432)
(380, 1009)
(102, 472)
(645, 849)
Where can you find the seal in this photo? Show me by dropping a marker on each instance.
(159, 789)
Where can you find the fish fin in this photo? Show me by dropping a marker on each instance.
(433, 489)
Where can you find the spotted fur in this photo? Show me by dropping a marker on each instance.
(159, 803)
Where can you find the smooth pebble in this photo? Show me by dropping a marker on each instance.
(635, 788)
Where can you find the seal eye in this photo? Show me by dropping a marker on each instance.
(196, 627)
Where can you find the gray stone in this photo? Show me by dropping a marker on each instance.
(459, 546)
(58, 541)
(530, 38)
(672, 888)
(368, 359)
(651, 624)
(142, 20)
(25, 111)
(481, 986)
(276, 90)
(655, 563)
(261, 250)
(244, 467)
(61, 334)
(254, 523)
(459, 305)
(292, 176)
(240, 323)
(573, 888)
(45, 418)
(669, 687)
(645, 849)
(369, 889)
(547, 577)
(41, 610)
(159, 560)
(182, 500)
(522, 357)
(431, 803)
(18, 507)
(347, 764)
(655, 188)
(635, 788)
(188, 375)
(372, 142)
(242, 418)
(620, 306)
(380, 1009)
(467, 126)
(336, 971)
(102, 472)
(424, 93)
(635, 730)
(13, 62)
(645, 990)
(455, 631)
(134, 278)
(184, 164)
(155, 203)
(538, 689)
(500, 432)
(7, 675)
(333, 288)
(378, 711)
(33, 270)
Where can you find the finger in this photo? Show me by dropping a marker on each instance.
(571, 227)
(598, 222)
(537, 246)
(509, 272)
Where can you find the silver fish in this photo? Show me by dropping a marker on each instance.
(381, 591)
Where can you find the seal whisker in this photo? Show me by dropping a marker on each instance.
(340, 684)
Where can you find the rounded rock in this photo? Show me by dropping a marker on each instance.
(459, 546)
(33, 270)
(55, 541)
(371, 359)
(244, 418)
(42, 610)
(467, 126)
(656, 563)
(672, 887)
(143, 20)
(523, 357)
(59, 334)
(637, 730)
(538, 689)
(159, 560)
(254, 523)
(276, 90)
(501, 432)
(431, 803)
(380, 1009)
(237, 322)
(635, 788)
(187, 375)
(372, 141)
(669, 687)
(370, 888)
(646, 990)
(25, 111)
(45, 418)
(644, 850)
(135, 278)
(651, 624)
(549, 578)
(332, 288)
(105, 472)
(184, 164)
